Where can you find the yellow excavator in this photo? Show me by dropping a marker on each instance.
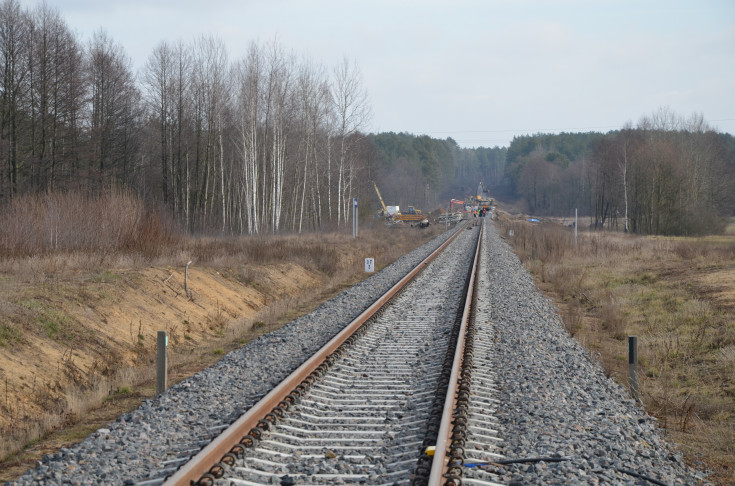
(384, 211)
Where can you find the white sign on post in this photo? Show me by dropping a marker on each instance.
(369, 265)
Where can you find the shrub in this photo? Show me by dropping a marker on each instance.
(114, 221)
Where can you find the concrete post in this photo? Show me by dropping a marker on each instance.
(161, 362)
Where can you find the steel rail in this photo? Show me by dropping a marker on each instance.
(439, 464)
(210, 455)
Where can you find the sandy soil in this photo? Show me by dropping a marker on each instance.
(80, 326)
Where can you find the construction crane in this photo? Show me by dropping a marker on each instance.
(384, 211)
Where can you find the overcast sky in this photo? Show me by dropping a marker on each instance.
(479, 71)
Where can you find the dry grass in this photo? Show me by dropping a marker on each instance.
(84, 391)
(612, 285)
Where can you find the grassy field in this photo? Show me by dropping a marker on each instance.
(79, 315)
(678, 296)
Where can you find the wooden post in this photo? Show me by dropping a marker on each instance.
(633, 367)
(186, 279)
(161, 362)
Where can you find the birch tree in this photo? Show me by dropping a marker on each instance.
(280, 112)
(353, 113)
(249, 106)
(311, 98)
(211, 92)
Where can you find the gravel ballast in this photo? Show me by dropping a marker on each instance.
(555, 400)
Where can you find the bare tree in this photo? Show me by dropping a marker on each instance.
(679, 183)
(264, 98)
(211, 93)
(311, 99)
(626, 146)
(57, 91)
(279, 88)
(182, 63)
(249, 79)
(14, 49)
(158, 81)
(282, 149)
(114, 109)
(353, 113)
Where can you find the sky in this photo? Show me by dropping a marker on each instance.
(479, 71)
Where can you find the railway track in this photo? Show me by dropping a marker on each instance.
(367, 409)
(368, 406)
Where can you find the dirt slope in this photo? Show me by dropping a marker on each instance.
(77, 331)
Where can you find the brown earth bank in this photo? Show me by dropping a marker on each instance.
(677, 294)
(78, 332)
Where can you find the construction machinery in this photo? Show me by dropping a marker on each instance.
(393, 213)
(483, 203)
(456, 205)
(384, 210)
(410, 214)
(457, 211)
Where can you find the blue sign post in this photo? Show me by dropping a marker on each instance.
(354, 217)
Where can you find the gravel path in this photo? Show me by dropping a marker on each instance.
(555, 400)
(149, 439)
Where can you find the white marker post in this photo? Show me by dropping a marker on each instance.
(369, 265)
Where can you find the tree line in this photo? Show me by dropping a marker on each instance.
(275, 142)
(268, 142)
(669, 174)
(426, 172)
